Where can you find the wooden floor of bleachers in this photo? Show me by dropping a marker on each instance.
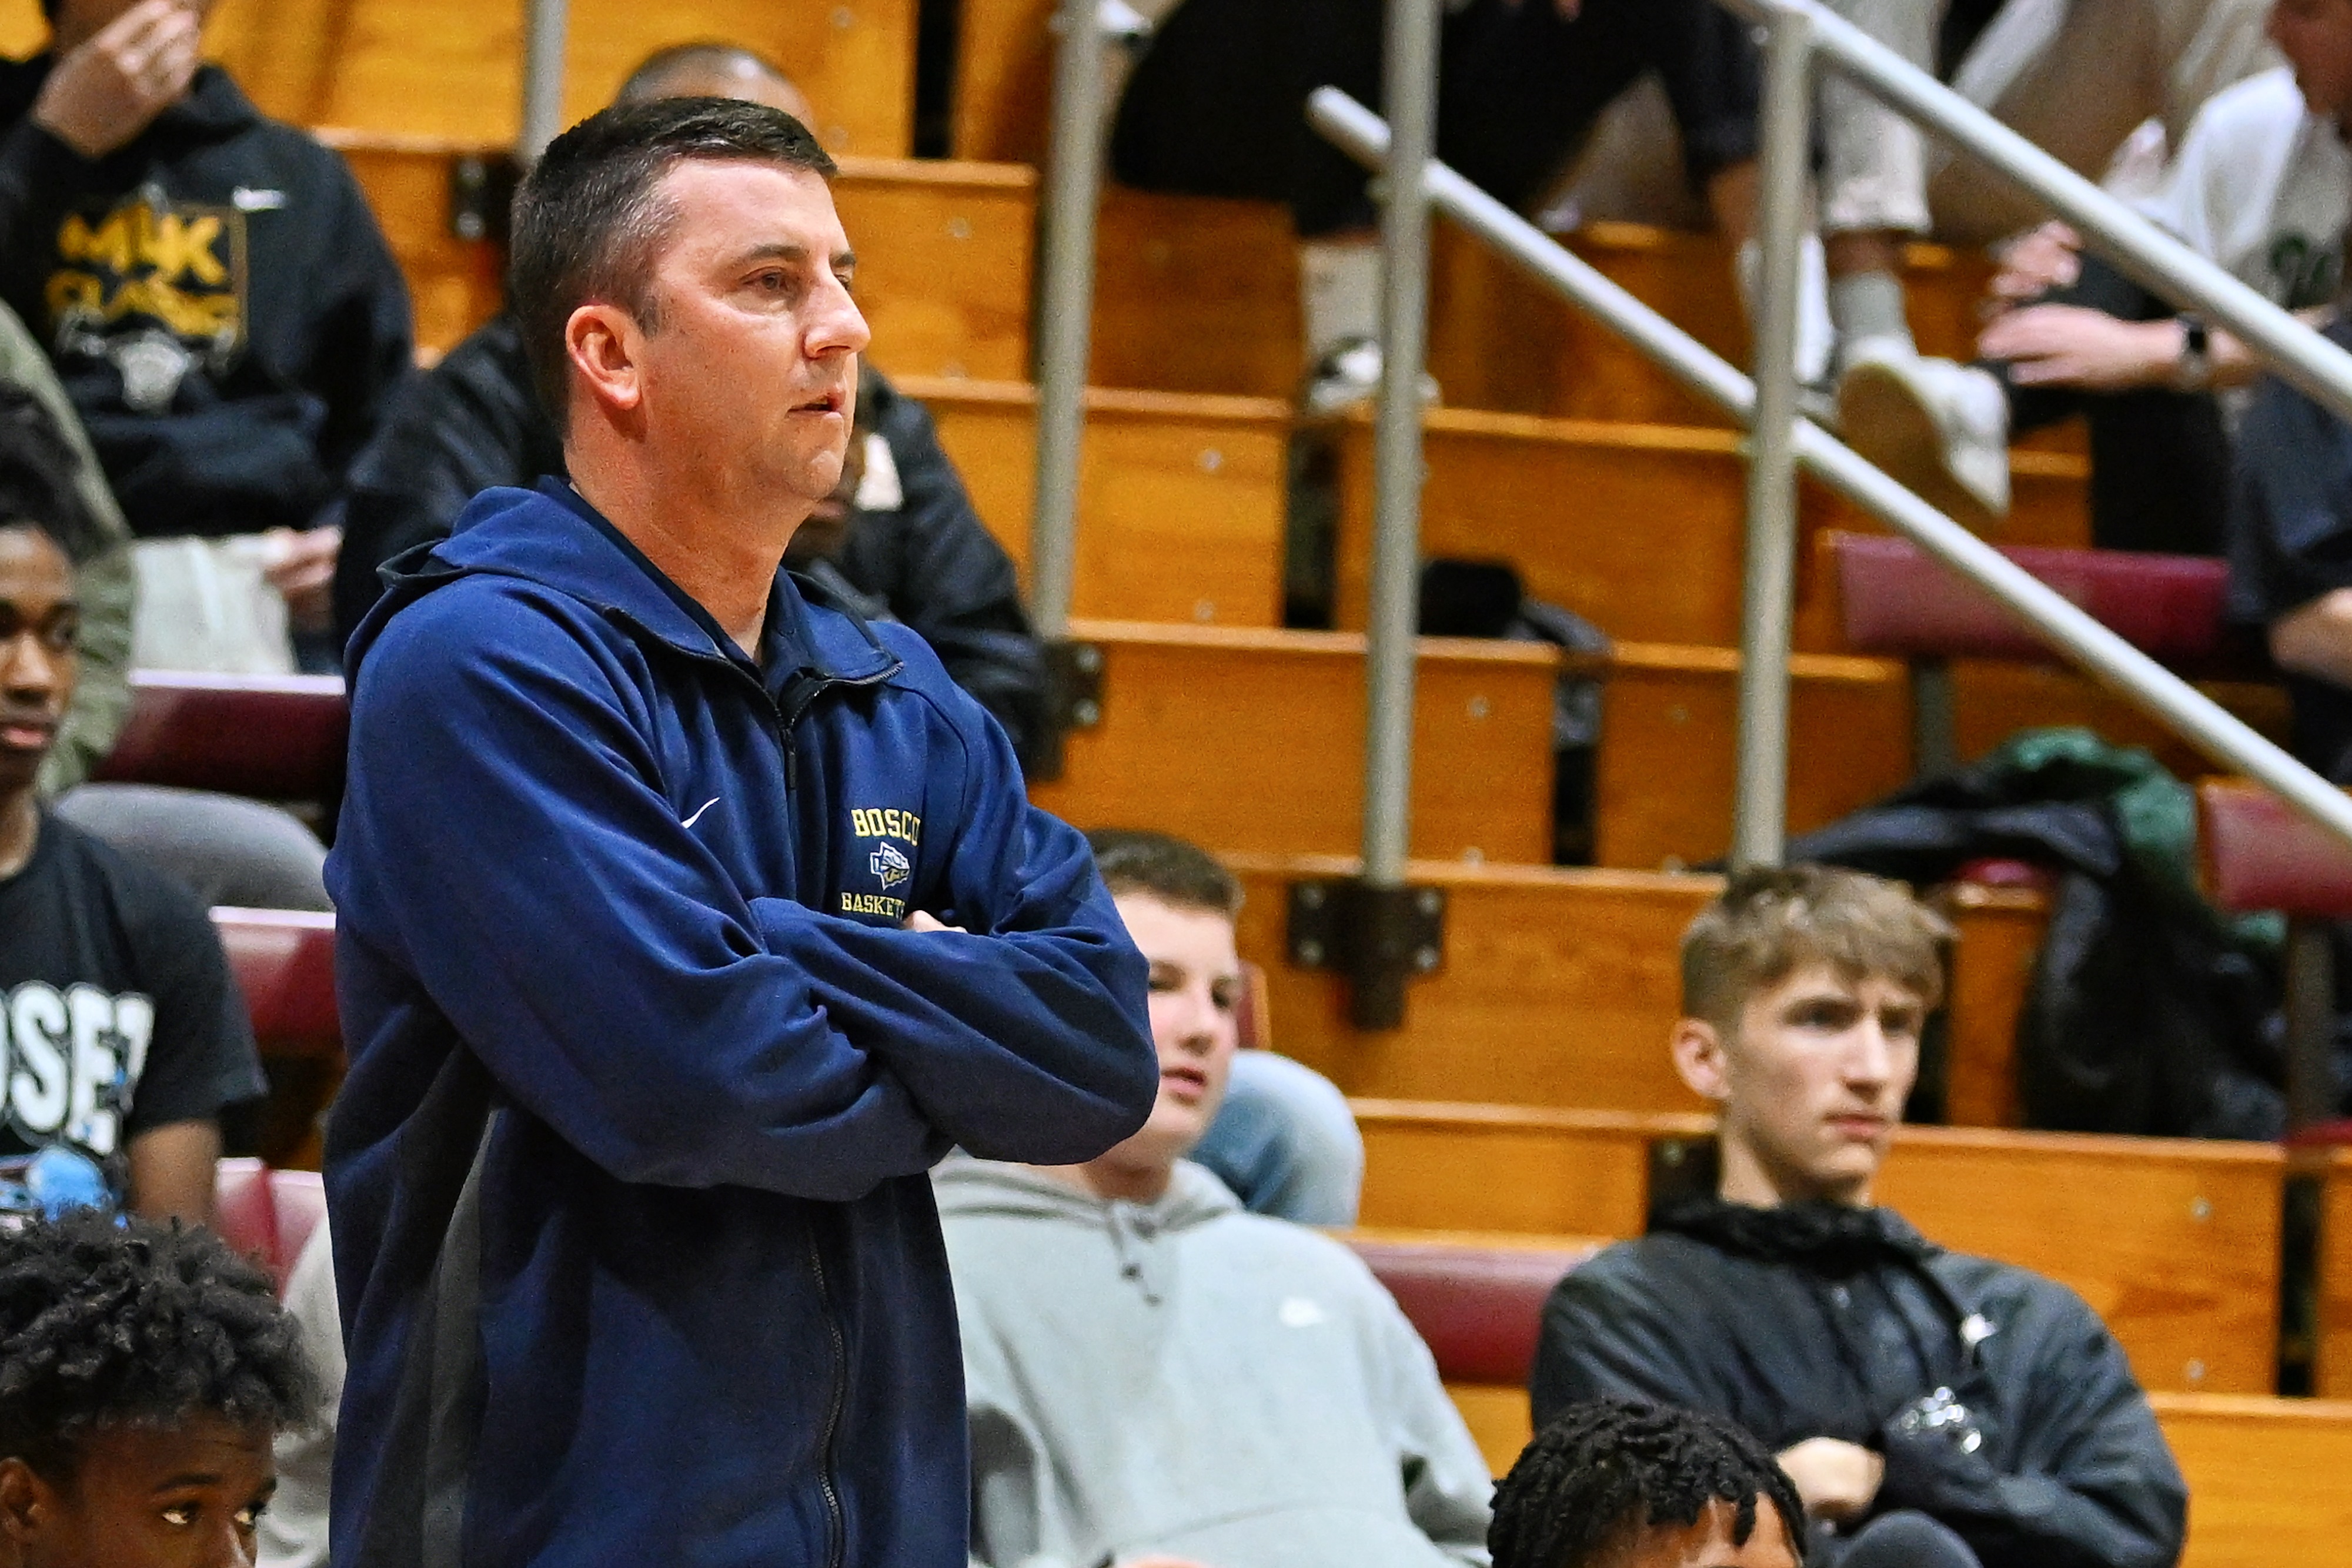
(452, 69)
(2176, 1243)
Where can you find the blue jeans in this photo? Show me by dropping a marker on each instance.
(1286, 1141)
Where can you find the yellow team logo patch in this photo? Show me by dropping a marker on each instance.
(154, 286)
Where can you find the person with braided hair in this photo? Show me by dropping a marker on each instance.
(1934, 1410)
(144, 1371)
(1615, 1483)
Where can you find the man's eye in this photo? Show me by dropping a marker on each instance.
(58, 636)
(249, 1516)
(180, 1514)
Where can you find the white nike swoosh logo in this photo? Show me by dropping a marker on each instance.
(697, 815)
(247, 200)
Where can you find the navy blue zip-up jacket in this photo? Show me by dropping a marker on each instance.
(635, 902)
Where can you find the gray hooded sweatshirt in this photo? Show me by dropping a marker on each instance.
(1184, 1377)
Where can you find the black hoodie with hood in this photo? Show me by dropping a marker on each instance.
(218, 301)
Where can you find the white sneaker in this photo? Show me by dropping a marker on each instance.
(1349, 375)
(1940, 428)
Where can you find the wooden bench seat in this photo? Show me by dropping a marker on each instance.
(944, 250)
(1637, 528)
(1559, 987)
(450, 68)
(1252, 740)
(1180, 499)
(2176, 1243)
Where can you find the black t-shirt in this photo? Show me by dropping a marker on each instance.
(2291, 542)
(116, 1014)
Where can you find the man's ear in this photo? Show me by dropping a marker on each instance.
(29, 1505)
(602, 342)
(1697, 1050)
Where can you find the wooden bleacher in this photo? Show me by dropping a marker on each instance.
(1180, 499)
(450, 70)
(2176, 1243)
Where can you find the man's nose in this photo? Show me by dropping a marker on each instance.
(30, 670)
(837, 325)
(1870, 1061)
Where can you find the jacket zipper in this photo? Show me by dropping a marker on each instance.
(837, 1527)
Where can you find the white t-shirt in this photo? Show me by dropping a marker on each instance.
(2263, 188)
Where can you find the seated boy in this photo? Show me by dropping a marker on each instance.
(126, 1033)
(1156, 1376)
(1613, 1483)
(1912, 1394)
(143, 1373)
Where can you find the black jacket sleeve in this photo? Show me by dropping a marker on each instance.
(2094, 1485)
(471, 423)
(1607, 1332)
(943, 574)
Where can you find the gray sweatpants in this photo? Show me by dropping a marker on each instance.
(2075, 77)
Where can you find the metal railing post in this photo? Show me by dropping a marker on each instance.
(1395, 611)
(1759, 812)
(542, 76)
(1066, 312)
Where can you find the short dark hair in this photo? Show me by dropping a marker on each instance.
(652, 76)
(1169, 869)
(109, 1322)
(39, 476)
(589, 221)
(1607, 1469)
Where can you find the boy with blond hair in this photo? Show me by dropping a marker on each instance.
(1935, 1410)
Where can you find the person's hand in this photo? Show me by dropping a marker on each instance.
(1836, 1479)
(302, 567)
(924, 920)
(2069, 346)
(2049, 257)
(109, 87)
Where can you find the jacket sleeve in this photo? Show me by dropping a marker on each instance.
(2107, 1494)
(1448, 1492)
(1024, 1036)
(364, 346)
(1604, 1335)
(503, 839)
(951, 581)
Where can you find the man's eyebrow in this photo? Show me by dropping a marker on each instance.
(787, 250)
(191, 1479)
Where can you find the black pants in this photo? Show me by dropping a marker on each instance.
(1216, 107)
(2160, 458)
(1899, 1540)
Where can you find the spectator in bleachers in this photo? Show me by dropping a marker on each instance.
(1615, 1483)
(126, 1033)
(902, 535)
(2291, 560)
(219, 305)
(1157, 1377)
(1216, 107)
(1930, 1408)
(2077, 77)
(2262, 187)
(683, 922)
(144, 1371)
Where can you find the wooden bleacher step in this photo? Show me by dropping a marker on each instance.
(1252, 741)
(450, 68)
(2176, 1243)
(1180, 499)
(1559, 987)
(944, 250)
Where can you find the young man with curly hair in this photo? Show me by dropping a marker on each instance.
(1614, 1483)
(143, 1373)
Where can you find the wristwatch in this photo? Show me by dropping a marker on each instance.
(2194, 372)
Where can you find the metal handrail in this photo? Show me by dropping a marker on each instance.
(2105, 656)
(544, 24)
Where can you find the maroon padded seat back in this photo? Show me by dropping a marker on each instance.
(1897, 599)
(2261, 854)
(299, 1201)
(284, 961)
(1478, 1308)
(244, 1212)
(276, 737)
(1253, 1026)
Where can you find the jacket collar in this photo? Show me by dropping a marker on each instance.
(552, 536)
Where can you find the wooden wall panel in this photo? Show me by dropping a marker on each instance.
(2265, 1480)
(1991, 701)
(1195, 295)
(2000, 937)
(2335, 1350)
